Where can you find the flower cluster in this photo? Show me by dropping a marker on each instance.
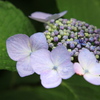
(66, 40)
(32, 55)
(73, 34)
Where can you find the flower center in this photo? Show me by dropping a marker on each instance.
(55, 68)
(86, 71)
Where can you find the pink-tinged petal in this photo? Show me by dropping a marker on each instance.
(40, 16)
(40, 61)
(24, 67)
(95, 69)
(59, 55)
(86, 58)
(50, 79)
(78, 69)
(66, 70)
(56, 16)
(93, 79)
(38, 41)
(18, 46)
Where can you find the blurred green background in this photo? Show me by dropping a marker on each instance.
(13, 20)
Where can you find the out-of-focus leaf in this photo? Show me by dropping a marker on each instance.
(72, 89)
(12, 21)
(84, 10)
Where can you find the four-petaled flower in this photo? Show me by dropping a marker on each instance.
(88, 67)
(45, 17)
(20, 48)
(53, 66)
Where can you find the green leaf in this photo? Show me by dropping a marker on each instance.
(81, 89)
(84, 10)
(12, 21)
(17, 88)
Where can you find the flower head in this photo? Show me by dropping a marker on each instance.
(20, 48)
(53, 66)
(73, 34)
(88, 67)
(45, 17)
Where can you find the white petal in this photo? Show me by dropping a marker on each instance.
(59, 55)
(56, 16)
(86, 58)
(95, 69)
(78, 69)
(18, 46)
(66, 70)
(24, 67)
(38, 41)
(40, 16)
(93, 79)
(50, 79)
(41, 61)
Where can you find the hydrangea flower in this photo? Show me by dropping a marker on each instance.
(45, 17)
(88, 67)
(53, 66)
(20, 48)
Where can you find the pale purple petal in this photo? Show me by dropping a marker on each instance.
(24, 67)
(18, 46)
(78, 69)
(38, 41)
(44, 17)
(40, 61)
(59, 55)
(66, 70)
(50, 79)
(40, 16)
(93, 79)
(86, 58)
(95, 69)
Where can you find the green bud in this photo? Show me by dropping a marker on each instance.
(86, 34)
(68, 22)
(69, 50)
(49, 40)
(59, 36)
(48, 36)
(72, 58)
(49, 29)
(97, 56)
(48, 33)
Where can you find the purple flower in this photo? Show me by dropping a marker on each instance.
(53, 66)
(45, 17)
(88, 67)
(20, 48)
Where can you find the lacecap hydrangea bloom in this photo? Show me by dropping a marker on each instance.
(82, 41)
(88, 66)
(20, 48)
(53, 66)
